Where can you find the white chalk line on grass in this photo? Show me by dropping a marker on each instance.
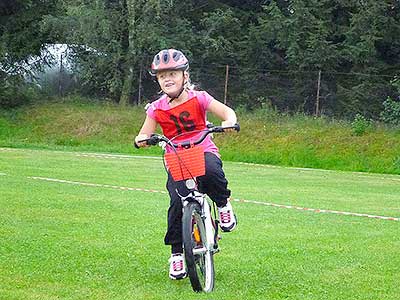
(320, 210)
(96, 185)
(84, 154)
(393, 177)
(233, 199)
(118, 156)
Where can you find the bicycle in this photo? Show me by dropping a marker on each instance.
(199, 225)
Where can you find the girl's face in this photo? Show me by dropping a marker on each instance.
(171, 81)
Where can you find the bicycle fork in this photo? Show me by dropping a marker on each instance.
(210, 229)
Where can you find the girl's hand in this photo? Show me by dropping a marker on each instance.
(141, 137)
(228, 124)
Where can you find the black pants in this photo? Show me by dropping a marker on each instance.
(213, 183)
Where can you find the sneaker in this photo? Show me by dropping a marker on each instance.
(227, 219)
(177, 268)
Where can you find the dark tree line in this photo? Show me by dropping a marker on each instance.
(285, 54)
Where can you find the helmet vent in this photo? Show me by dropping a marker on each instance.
(157, 60)
(165, 57)
(176, 56)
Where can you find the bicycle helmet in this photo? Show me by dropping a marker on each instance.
(169, 59)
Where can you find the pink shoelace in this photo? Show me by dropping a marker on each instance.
(225, 217)
(177, 265)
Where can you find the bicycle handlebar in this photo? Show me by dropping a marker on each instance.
(156, 138)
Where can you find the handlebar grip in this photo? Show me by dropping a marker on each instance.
(236, 127)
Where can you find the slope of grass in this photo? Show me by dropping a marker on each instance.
(266, 137)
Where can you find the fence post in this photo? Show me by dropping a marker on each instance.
(61, 70)
(140, 85)
(226, 82)
(317, 100)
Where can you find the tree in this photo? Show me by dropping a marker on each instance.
(336, 37)
(370, 47)
(123, 34)
(275, 48)
(22, 39)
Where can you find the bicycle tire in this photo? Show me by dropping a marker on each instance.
(200, 266)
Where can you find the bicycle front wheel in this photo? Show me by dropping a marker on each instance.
(199, 258)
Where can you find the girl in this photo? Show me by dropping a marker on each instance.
(182, 110)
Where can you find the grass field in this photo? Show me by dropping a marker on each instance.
(90, 237)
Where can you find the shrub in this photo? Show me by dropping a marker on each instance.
(391, 112)
(14, 92)
(360, 125)
(396, 163)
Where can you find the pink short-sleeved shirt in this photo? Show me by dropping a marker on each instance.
(184, 118)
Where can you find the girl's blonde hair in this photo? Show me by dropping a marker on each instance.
(188, 84)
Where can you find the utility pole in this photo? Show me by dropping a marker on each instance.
(317, 100)
(226, 82)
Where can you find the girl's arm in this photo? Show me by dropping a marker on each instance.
(225, 113)
(149, 127)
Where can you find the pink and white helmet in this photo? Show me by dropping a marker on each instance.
(169, 59)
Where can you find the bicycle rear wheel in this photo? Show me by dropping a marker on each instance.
(199, 259)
